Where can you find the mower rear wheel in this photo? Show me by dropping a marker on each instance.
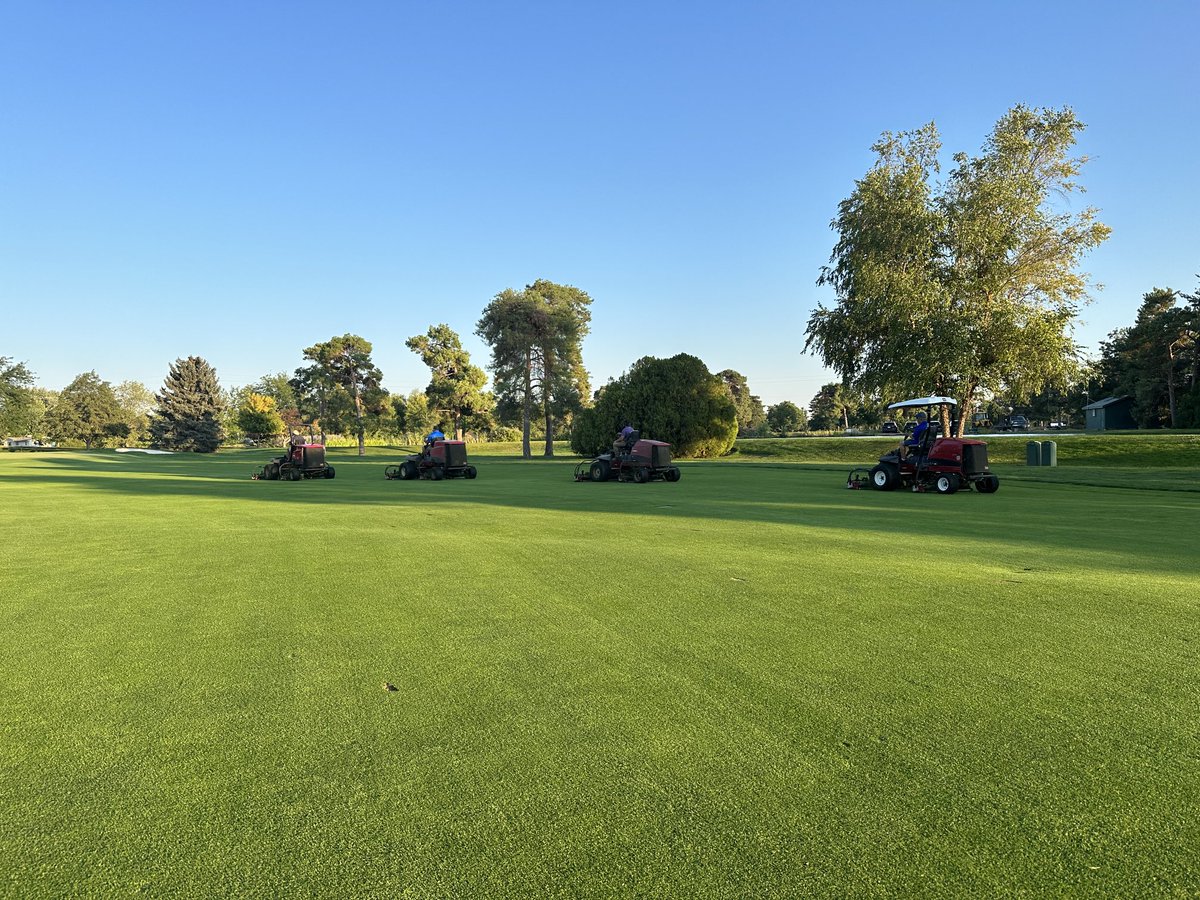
(885, 477)
(599, 471)
(672, 474)
(946, 484)
(641, 474)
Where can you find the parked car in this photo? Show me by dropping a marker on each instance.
(889, 427)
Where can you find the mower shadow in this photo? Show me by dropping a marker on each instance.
(1095, 522)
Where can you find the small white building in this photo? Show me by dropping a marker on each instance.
(24, 443)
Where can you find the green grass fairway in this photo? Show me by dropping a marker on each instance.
(753, 683)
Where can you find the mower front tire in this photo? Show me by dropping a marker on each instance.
(641, 474)
(436, 473)
(885, 477)
(471, 472)
(329, 471)
(672, 474)
(599, 471)
(409, 470)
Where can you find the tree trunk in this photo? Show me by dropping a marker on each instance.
(845, 418)
(527, 408)
(1171, 382)
(458, 425)
(549, 451)
(358, 417)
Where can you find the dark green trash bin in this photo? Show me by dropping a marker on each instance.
(1049, 453)
(1033, 453)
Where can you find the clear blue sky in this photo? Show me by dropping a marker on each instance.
(239, 180)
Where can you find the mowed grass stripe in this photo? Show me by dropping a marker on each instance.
(748, 682)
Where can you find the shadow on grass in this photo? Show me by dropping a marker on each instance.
(1127, 531)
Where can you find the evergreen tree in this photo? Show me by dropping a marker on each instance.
(537, 357)
(456, 389)
(189, 410)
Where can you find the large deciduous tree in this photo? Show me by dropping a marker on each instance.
(786, 417)
(188, 416)
(963, 287)
(456, 388)
(136, 402)
(86, 410)
(345, 363)
(537, 359)
(16, 398)
(258, 417)
(676, 400)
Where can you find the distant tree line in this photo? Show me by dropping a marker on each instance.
(540, 388)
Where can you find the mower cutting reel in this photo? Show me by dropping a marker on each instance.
(858, 479)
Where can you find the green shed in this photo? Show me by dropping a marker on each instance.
(1109, 414)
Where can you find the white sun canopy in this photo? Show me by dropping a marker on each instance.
(923, 401)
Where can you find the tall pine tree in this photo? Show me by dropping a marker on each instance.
(188, 416)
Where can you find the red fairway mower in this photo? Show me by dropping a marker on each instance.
(435, 461)
(941, 464)
(302, 460)
(640, 461)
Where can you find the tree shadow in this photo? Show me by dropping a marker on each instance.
(1095, 523)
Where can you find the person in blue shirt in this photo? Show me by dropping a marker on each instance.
(914, 439)
(622, 439)
(435, 435)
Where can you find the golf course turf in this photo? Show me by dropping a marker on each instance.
(751, 683)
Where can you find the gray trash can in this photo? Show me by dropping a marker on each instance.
(1049, 453)
(1033, 453)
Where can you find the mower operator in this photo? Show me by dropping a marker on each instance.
(622, 439)
(435, 435)
(914, 439)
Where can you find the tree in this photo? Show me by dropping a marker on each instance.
(414, 418)
(278, 387)
(829, 410)
(786, 417)
(87, 411)
(345, 362)
(189, 410)
(456, 388)
(965, 287)
(258, 416)
(676, 400)
(16, 398)
(1150, 359)
(136, 402)
(750, 412)
(536, 336)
